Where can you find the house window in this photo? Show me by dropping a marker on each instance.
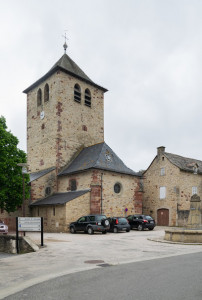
(162, 192)
(73, 184)
(162, 171)
(194, 190)
(117, 188)
(77, 93)
(87, 98)
(39, 97)
(46, 93)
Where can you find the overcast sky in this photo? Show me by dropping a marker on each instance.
(147, 53)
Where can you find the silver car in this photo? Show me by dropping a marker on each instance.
(3, 228)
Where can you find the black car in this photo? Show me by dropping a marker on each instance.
(118, 224)
(140, 222)
(90, 224)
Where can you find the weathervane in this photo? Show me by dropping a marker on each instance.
(65, 44)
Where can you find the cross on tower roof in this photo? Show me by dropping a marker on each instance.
(65, 44)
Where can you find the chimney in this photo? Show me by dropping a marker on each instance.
(160, 150)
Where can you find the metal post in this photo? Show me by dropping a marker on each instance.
(17, 238)
(41, 231)
(101, 193)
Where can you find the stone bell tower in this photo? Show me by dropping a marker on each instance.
(65, 112)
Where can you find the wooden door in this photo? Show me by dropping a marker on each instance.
(163, 217)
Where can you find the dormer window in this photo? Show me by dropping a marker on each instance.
(77, 93)
(39, 97)
(195, 169)
(87, 98)
(46, 93)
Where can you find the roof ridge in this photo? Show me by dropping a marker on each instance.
(194, 159)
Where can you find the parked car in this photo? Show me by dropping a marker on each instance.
(3, 228)
(118, 224)
(140, 222)
(90, 224)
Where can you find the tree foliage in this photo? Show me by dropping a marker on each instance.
(11, 178)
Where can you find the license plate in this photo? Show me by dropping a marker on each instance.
(152, 222)
(123, 228)
(99, 223)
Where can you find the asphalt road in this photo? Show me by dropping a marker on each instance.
(170, 278)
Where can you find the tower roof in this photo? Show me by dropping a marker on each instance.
(99, 156)
(67, 65)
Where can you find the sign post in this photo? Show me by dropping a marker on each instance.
(28, 224)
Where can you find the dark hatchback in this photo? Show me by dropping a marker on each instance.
(90, 224)
(118, 224)
(141, 222)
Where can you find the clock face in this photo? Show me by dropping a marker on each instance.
(108, 157)
(42, 115)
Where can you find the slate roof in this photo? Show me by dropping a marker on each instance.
(184, 163)
(99, 156)
(67, 65)
(36, 175)
(60, 198)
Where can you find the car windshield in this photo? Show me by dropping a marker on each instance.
(99, 218)
(148, 218)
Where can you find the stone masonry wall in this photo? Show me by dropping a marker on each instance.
(77, 208)
(54, 217)
(178, 190)
(38, 187)
(130, 196)
(66, 126)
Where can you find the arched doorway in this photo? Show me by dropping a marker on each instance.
(163, 217)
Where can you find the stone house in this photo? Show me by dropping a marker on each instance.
(169, 183)
(73, 171)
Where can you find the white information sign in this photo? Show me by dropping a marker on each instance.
(29, 224)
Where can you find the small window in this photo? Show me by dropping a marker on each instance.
(73, 184)
(162, 171)
(77, 93)
(53, 210)
(46, 93)
(38, 211)
(117, 188)
(47, 191)
(162, 192)
(39, 97)
(87, 98)
(194, 190)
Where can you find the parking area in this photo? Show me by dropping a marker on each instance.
(67, 253)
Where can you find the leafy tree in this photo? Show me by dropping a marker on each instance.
(11, 178)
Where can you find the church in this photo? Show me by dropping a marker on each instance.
(73, 172)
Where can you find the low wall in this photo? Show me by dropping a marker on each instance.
(8, 244)
(183, 235)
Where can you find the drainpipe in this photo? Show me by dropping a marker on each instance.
(101, 194)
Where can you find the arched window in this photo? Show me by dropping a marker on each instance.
(39, 97)
(46, 92)
(77, 93)
(87, 98)
(73, 184)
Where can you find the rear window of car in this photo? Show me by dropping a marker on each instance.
(122, 220)
(99, 218)
(148, 218)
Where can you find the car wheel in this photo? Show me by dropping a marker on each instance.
(140, 227)
(151, 228)
(128, 230)
(90, 230)
(115, 230)
(104, 232)
(72, 229)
